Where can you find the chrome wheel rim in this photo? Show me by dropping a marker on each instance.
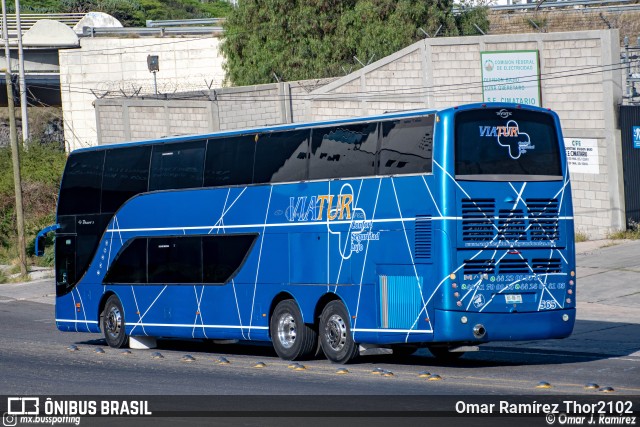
(113, 322)
(336, 333)
(287, 330)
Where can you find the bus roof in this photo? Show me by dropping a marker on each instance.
(307, 125)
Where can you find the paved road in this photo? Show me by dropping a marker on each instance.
(604, 349)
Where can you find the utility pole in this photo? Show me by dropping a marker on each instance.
(23, 84)
(15, 154)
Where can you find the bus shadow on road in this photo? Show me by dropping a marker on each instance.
(591, 340)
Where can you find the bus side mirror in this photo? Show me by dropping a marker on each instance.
(40, 240)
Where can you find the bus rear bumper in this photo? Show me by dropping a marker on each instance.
(450, 326)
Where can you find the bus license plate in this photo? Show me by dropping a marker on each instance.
(513, 298)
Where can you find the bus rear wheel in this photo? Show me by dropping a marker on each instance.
(335, 334)
(113, 323)
(292, 338)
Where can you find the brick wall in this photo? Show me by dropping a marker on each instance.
(441, 72)
(124, 119)
(247, 107)
(121, 119)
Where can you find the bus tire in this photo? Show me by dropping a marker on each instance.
(113, 325)
(442, 354)
(292, 338)
(335, 334)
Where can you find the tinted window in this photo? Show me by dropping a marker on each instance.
(223, 255)
(65, 264)
(344, 151)
(175, 260)
(281, 157)
(89, 228)
(80, 189)
(126, 172)
(506, 142)
(230, 161)
(177, 165)
(407, 146)
(130, 266)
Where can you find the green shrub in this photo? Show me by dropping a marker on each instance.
(41, 169)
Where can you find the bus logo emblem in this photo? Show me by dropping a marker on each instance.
(504, 114)
(510, 137)
(478, 301)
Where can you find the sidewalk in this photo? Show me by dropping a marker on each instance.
(42, 291)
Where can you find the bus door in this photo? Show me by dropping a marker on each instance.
(65, 263)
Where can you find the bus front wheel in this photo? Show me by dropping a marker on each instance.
(335, 334)
(292, 338)
(113, 323)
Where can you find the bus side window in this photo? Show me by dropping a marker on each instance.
(126, 173)
(80, 189)
(229, 161)
(281, 157)
(407, 146)
(178, 165)
(130, 266)
(175, 259)
(223, 255)
(343, 151)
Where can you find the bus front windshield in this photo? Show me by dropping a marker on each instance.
(506, 144)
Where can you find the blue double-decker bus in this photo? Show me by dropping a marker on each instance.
(440, 229)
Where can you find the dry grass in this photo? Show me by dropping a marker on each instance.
(631, 233)
(581, 236)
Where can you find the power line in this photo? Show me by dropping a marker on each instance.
(416, 90)
(401, 91)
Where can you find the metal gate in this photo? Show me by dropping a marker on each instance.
(630, 129)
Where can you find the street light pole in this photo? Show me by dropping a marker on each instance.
(23, 85)
(155, 83)
(15, 153)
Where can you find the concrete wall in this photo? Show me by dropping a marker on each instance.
(104, 66)
(441, 72)
(576, 83)
(122, 119)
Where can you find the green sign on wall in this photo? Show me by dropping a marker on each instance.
(511, 76)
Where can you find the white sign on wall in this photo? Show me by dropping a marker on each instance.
(511, 76)
(582, 155)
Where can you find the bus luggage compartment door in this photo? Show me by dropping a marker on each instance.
(400, 301)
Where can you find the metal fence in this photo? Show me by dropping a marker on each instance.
(630, 58)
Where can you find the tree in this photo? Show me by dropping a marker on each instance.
(298, 39)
